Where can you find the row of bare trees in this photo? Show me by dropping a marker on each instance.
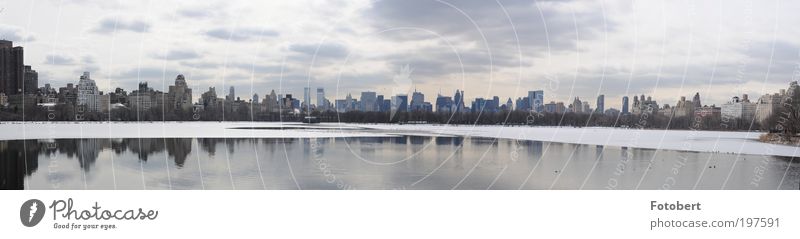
(786, 121)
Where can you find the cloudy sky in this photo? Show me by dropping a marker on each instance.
(506, 47)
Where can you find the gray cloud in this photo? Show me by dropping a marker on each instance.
(110, 25)
(16, 34)
(428, 32)
(87, 59)
(176, 54)
(153, 75)
(195, 12)
(205, 10)
(54, 59)
(200, 64)
(331, 50)
(258, 68)
(487, 36)
(538, 26)
(240, 34)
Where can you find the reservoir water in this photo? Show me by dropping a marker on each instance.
(402, 162)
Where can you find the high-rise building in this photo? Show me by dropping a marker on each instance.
(287, 103)
(739, 108)
(142, 98)
(119, 96)
(369, 101)
(523, 104)
(644, 105)
(494, 105)
(231, 95)
(179, 96)
(479, 105)
(536, 99)
(270, 104)
(88, 95)
(696, 100)
(11, 68)
(550, 107)
(31, 84)
(768, 105)
(577, 105)
(560, 108)
(340, 105)
(417, 100)
(209, 98)
(685, 108)
(349, 103)
(306, 97)
(321, 105)
(386, 106)
(601, 103)
(379, 103)
(625, 105)
(458, 101)
(400, 103)
(586, 107)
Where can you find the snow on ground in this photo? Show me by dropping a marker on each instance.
(701, 141)
(684, 140)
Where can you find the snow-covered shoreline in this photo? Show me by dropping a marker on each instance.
(683, 140)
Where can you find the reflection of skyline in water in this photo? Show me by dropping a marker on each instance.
(411, 162)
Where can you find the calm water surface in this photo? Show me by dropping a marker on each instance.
(403, 162)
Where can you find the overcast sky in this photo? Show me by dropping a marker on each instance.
(566, 48)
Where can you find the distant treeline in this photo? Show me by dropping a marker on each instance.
(783, 121)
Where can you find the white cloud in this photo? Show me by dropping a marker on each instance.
(503, 48)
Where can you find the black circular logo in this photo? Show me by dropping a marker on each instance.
(31, 212)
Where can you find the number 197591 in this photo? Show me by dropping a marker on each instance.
(760, 222)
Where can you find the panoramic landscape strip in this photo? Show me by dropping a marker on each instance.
(22, 99)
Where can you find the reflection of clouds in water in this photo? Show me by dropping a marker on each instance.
(434, 163)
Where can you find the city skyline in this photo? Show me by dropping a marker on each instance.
(615, 48)
(22, 78)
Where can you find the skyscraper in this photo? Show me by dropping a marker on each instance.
(31, 84)
(444, 104)
(400, 103)
(625, 105)
(11, 68)
(417, 100)
(368, 99)
(307, 97)
(180, 95)
(231, 96)
(88, 95)
(321, 105)
(577, 105)
(536, 99)
(379, 102)
(458, 101)
(601, 103)
(348, 102)
(696, 100)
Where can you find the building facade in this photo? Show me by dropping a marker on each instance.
(88, 94)
(12, 69)
(179, 96)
